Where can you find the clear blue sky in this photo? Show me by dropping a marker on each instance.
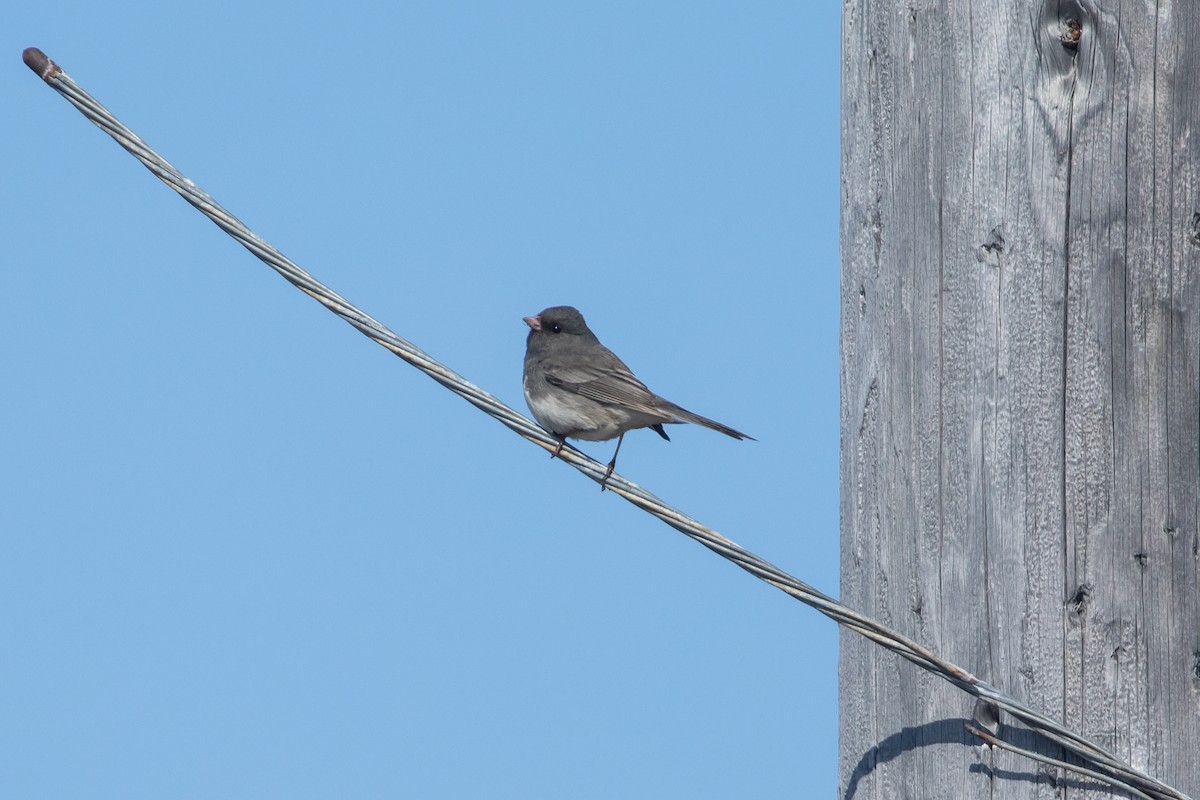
(249, 554)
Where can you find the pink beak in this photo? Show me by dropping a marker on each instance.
(533, 322)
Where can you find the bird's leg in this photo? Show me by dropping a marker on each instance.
(611, 464)
(561, 441)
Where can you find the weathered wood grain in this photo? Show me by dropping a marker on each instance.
(1020, 390)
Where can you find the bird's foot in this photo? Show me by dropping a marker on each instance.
(607, 473)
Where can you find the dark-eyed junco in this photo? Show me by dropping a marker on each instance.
(578, 388)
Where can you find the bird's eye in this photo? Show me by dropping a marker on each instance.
(556, 328)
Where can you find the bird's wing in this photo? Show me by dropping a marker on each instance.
(606, 381)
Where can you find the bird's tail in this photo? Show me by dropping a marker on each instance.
(687, 416)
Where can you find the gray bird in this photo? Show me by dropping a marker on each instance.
(577, 388)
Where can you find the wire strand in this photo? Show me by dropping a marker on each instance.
(1103, 765)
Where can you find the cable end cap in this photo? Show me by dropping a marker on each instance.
(40, 63)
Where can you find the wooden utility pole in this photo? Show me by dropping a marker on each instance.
(1020, 360)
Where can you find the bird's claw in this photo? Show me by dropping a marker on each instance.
(607, 475)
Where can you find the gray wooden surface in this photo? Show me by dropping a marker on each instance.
(1020, 415)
